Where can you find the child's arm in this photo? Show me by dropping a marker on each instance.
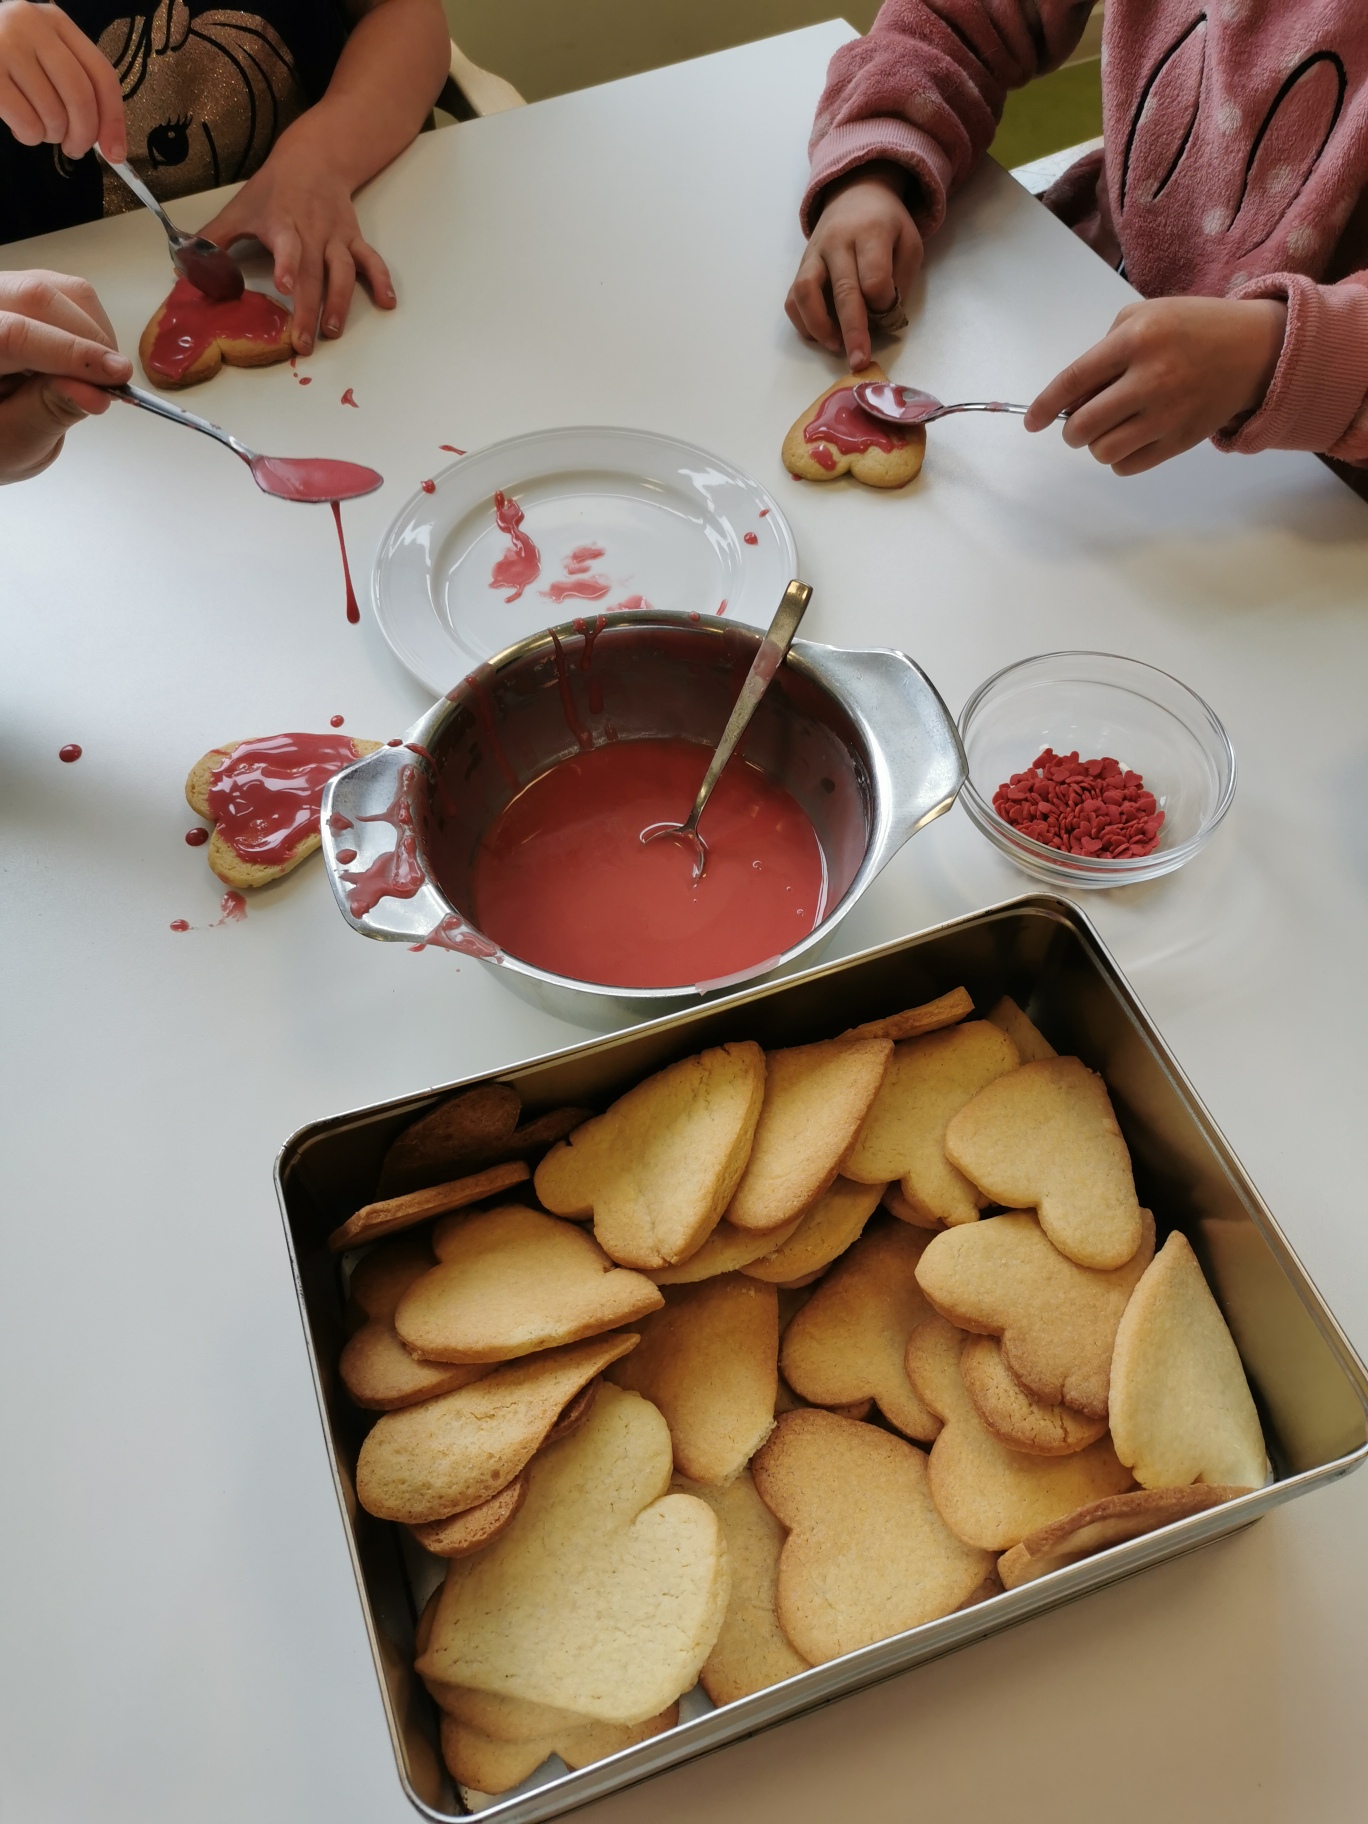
(55, 86)
(921, 95)
(300, 202)
(57, 360)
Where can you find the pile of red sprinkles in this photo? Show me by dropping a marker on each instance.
(1082, 807)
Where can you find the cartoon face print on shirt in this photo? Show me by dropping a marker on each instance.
(1286, 113)
(205, 96)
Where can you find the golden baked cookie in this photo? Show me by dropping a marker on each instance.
(987, 1494)
(1045, 1138)
(898, 1205)
(453, 1452)
(1030, 1041)
(928, 1081)
(394, 1214)
(848, 1341)
(1013, 1413)
(203, 335)
(376, 1369)
(232, 869)
(892, 455)
(606, 1594)
(1181, 1409)
(657, 1171)
(752, 1651)
(485, 1764)
(469, 1132)
(725, 1251)
(460, 1534)
(709, 1362)
(912, 1022)
(816, 1097)
(867, 1554)
(1104, 1523)
(831, 1225)
(513, 1280)
(1004, 1277)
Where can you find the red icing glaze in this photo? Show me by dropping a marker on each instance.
(521, 563)
(349, 398)
(398, 874)
(764, 513)
(451, 447)
(842, 420)
(632, 601)
(694, 616)
(70, 752)
(266, 796)
(304, 379)
(313, 479)
(336, 721)
(189, 322)
(197, 838)
(338, 822)
(428, 487)
(180, 924)
(346, 857)
(572, 721)
(589, 635)
(822, 456)
(484, 710)
(750, 538)
(455, 934)
(584, 554)
(564, 881)
(232, 909)
(353, 607)
(579, 588)
(722, 605)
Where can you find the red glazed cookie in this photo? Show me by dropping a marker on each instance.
(190, 336)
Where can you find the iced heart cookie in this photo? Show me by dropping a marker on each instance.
(190, 336)
(263, 798)
(659, 1168)
(987, 1494)
(453, 1452)
(511, 1281)
(1057, 1321)
(836, 436)
(709, 1361)
(903, 1136)
(1104, 1523)
(867, 1555)
(848, 1341)
(816, 1096)
(606, 1594)
(752, 1650)
(829, 1227)
(1181, 1409)
(1013, 1413)
(376, 1369)
(1045, 1138)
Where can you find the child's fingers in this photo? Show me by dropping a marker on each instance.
(18, 113)
(849, 303)
(375, 273)
(36, 87)
(340, 270)
(77, 94)
(874, 265)
(308, 298)
(30, 346)
(1079, 381)
(808, 295)
(111, 131)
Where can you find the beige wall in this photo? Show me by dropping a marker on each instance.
(545, 47)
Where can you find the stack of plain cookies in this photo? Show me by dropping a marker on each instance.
(757, 1381)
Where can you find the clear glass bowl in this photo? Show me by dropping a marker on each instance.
(1099, 704)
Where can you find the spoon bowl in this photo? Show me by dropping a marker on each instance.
(208, 268)
(910, 405)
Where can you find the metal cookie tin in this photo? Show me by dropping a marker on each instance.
(1311, 1389)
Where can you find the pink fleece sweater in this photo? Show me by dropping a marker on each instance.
(1235, 161)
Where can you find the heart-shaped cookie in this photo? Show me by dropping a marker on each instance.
(832, 1224)
(1013, 1413)
(376, 1369)
(867, 1554)
(1104, 1523)
(190, 336)
(835, 436)
(606, 1594)
(987, 1494)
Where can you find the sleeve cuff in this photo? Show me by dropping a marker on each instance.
(845, 148)
(1319, 385)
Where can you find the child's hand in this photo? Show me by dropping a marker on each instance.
(1168, 374)
(300, 207)
(863, 256)
(57, 358)
(55, 86)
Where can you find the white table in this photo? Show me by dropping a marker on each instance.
(181, 1635)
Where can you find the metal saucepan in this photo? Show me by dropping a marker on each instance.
(861, 739)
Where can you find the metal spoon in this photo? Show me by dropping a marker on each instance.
(209, 268)
(309, 479)
(766, 662)
(909, 405)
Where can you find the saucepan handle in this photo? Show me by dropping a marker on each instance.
(915, 750)
(371, 816)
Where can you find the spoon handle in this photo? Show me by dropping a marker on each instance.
(766, 662)
(987, 405)
(126, 174)
(163, 408)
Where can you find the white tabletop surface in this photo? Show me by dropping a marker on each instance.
(181, 1633)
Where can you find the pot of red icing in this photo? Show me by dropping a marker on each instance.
(467, 835)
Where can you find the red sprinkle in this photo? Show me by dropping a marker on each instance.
(197, 838)
(1082, 807)
(429, 487)
(69, 753)
(336, 721)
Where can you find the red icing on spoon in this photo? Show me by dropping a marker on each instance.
(314, 479)
(521, 563)
(189, 323)
(266, 796)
